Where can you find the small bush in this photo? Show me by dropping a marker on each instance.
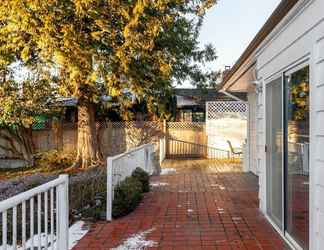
(128, 194)
(88, 194)
(144, 178)
(55, 159)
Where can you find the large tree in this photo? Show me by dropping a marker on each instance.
(21, 102)
(89, 48)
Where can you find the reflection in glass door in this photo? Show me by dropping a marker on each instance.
(274, 110)
(297, 156)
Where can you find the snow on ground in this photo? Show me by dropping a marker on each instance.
(166, 171)
(137, 242)
(159, 184)
(76, 232)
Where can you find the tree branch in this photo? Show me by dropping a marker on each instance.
(13, 148)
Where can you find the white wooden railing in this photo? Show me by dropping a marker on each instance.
(121, 166)
(43, 211)
(162, 150)
(176, 149)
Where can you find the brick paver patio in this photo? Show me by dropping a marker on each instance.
(203, 205)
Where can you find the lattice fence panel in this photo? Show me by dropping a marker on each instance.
(214, 109)
(136, 124)
(226, 123)
(186, 125)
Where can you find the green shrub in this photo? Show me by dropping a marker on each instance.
(144, 178)
(127, 195)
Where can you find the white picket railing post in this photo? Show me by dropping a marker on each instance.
(4, 230)
(109, 188)
(63, 212)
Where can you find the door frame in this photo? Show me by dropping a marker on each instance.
(303, 62)
(294, 69)
(267, 83)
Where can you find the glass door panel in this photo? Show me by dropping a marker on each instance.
(297, 156)
(274, 110)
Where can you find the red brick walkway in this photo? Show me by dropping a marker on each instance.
(203, 205)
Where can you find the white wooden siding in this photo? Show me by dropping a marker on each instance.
(260, 148)
(298, 38)
(319, 142)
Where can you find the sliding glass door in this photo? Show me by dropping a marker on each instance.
(274, 135)
(297, 155)
(287, 157)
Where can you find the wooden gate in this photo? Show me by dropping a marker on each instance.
(185, 139)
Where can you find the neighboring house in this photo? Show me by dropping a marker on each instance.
(282, 71)
(191, 103)
(69, 115)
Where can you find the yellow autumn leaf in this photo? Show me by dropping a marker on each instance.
(25, 54)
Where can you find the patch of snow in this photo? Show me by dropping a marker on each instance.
(76, 232)
(182, 191)
(165, 171)
(190, 211)
(137, 242)
(158, 184)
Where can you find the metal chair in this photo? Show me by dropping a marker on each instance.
(235, 151)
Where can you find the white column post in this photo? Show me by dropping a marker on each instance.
(63, 212)
(109, 188)
(161, 150)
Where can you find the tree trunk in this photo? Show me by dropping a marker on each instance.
(88, 153)
(19, 143)
(27, 145)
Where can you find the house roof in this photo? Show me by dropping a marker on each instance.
(73, 101)
(183, 101)
(277, 16)
(193, 97)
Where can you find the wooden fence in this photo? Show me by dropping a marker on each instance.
(183, 139)
(180, 139)
(114, 137)
(192, 132)
(118, 137)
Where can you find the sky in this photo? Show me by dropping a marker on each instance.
(231, 25)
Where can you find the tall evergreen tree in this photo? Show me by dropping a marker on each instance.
(89, 48)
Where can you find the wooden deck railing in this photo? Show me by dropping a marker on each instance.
(43, 211)
(121, 166)
(182, 149)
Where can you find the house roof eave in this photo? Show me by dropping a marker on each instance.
(276, 17)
